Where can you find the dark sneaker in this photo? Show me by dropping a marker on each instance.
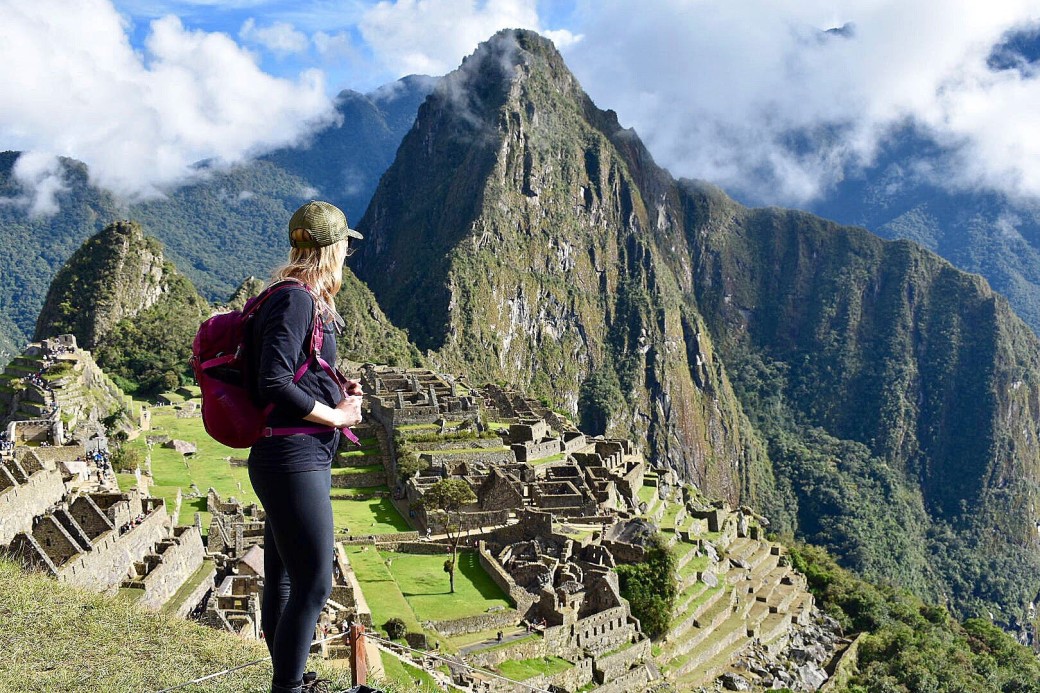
(312, 684)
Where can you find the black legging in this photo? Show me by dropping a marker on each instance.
(298, 553)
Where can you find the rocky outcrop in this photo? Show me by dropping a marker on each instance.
(116, 274)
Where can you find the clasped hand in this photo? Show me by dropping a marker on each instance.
(350, 408)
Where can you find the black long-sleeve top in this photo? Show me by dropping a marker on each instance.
(278, 343)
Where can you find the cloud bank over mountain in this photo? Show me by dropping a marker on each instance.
(774, 102)
(778, 101)
(74, 86)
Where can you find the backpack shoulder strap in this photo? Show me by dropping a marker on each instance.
(270, 291)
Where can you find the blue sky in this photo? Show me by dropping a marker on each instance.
(288, 37)
(774, 100)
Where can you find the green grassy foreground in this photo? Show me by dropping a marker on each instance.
(58, 638)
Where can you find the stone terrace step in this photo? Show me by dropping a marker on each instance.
(683, 554)
(742, 548)
(703, 627)
(773, 627)
(729, 638)
(687, 595)
(763, 585)
(767, 555)
(782, 598)
(698, 606)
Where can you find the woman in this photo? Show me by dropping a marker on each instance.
(291, 473)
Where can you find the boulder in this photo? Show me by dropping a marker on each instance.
(181, 446)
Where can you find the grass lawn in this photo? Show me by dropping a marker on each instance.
(208, 467)
(523, 669)
(559, 457)
(424, 584)
(647, 494)
(189, 585)
(465, 451)
(380, 589)
(363, 452)
(414, 588)
(350, 493)
(374, 516)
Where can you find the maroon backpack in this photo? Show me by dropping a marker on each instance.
(229, 413)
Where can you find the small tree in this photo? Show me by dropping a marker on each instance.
(449, 496)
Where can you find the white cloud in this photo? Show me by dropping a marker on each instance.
(432, 36)
(334, 46)
(756, 97)
(41, 178)
(281, 38)
(73, 86)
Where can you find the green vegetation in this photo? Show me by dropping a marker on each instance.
(98, 296)
(405, 677)
(171, 471)
(407, 587)
(364, 517)
(914, 646)
(59, 638)
(600, 398)
(523, 669)
(419, 578)
(650, 588)
(395, 628)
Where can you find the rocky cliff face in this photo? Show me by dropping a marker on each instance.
(522, 235)
(510, 238)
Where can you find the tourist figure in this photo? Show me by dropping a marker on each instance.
(291, 473)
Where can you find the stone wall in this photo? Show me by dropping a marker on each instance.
(604, 631)
(35, 431)
(428, 548)
(572, 442)
(20, 504)
(359, 479)
(522, 599)
(487, 459)
(492, 620)
(635, 680)
(614, 666)
(580, 675)
(379, 538)
(196, 596)
(531, 524)
(105, 566)
(179, 562)
(59, 453)
(90, 517)
(59, 545)
(470, 521)
(530, 451)
(529, 648)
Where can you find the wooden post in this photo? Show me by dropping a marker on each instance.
(358, 663)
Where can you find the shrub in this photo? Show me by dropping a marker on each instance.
(395, 628)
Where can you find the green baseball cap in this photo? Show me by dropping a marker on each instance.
(326, 223)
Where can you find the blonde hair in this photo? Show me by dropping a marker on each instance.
(319, 268)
